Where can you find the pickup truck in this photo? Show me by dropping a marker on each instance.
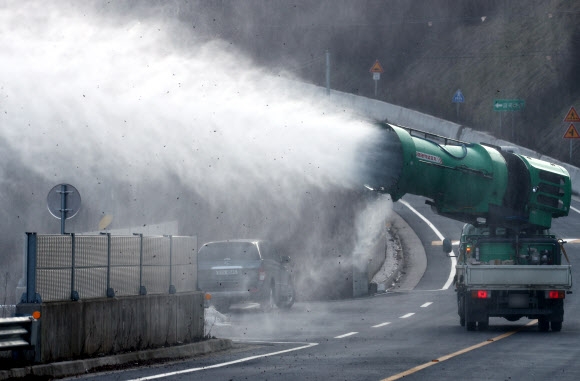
(503, 273)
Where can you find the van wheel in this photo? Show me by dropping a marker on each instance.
(268, 304)
(288, 301)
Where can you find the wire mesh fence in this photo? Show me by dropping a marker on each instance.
(73, 267)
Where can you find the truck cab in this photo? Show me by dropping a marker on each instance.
(491, 245)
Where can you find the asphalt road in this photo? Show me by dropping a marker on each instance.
(415, 334)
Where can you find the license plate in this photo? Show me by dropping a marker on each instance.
(518, 301)
(226, 272)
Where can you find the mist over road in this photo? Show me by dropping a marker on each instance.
(152, 123)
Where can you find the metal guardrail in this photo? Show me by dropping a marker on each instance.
(18, 333)
(7, 310)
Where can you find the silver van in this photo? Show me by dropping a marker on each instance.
(245, 270)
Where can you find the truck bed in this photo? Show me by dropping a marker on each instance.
(515, 276)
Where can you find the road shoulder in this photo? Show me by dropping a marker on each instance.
(410, 258)
(76, 367)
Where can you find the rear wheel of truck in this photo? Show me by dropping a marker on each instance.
(461, 310)
(543, 325)
(483, 325)
(469, 324)
(556, 326)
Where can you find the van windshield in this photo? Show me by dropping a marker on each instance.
(231, 250)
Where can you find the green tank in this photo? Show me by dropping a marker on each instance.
(474, 183)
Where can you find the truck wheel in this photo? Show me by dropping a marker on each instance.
(543, 325)
(469, 325)
(483, 325)
(461, 308)
(556, 326)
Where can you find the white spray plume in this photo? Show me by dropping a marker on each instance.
(151, 124)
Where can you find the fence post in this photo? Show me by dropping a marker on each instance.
(171, 285)
(31, 253)
(142, 289)
(74, 295)
(110, 291)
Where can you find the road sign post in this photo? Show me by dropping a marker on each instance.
(501, 105)
(376, 70)
(327, 72)
(64, 202)
(571, 132)
(457, 99)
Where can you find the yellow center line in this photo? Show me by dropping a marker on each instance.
(454, 354)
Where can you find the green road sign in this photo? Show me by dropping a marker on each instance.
(508, 104)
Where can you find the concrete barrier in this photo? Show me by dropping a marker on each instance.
(96, 327)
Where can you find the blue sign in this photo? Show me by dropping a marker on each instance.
(458, 97)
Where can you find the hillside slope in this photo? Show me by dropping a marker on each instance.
(528, 52)
(490, 49)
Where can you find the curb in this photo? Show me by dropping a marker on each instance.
(76, 367)
(414, 254)
(410, 258)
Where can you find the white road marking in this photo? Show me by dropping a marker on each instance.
(407, 315)
(191, 370)
(574, 209)
(346, 335)
(440, 243)
(453, 259)
(250, 306)
(381, 325)
(427, 304)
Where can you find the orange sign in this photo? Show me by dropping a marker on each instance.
(572, 116)
(571, 133)
(377, 68)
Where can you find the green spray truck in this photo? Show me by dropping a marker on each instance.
(508, 265)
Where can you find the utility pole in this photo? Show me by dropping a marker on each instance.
(327, 72)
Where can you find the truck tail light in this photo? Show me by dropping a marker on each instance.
(480, 294)
(261, 273)
(555, 294)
